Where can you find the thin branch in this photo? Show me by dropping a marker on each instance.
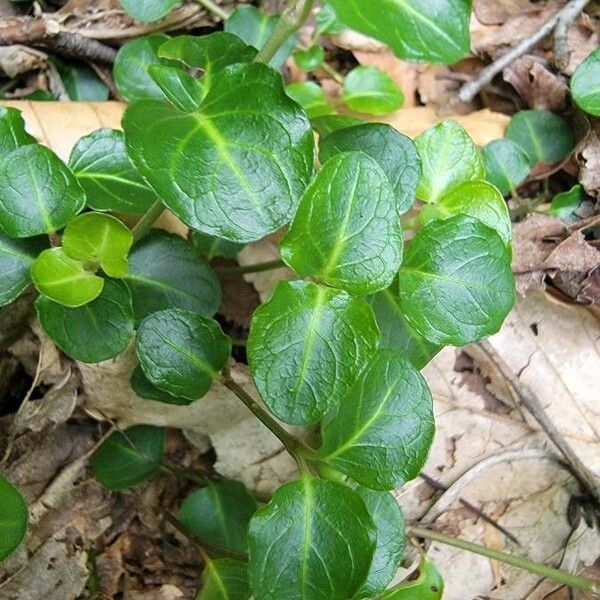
(214, 8)
(256, 268)
(144, 225)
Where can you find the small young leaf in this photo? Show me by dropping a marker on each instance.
(181, 351)
(165, 272)
(95, 332)
(107, 174)
(429, 585)
(224, 579)
(144, 389)
(147, 11)
(209, 246)
(370, 90)
(565, 204)
(219, 514)
(327, 124)
(506, 164)
(314, 541)
(346, 231)
(381, 433)
(456, 286)
(63, 279)
(100, 239)
(183, 90)
(544, 136)
(306, 346)
(449, 157)
(585, 84)
(38, 193)
(396, 154)
(130, 457)
(310, 59)
(13, 518)
(81, 82)
(311, 97)
(12, 131)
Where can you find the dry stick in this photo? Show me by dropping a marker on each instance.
(563, 17)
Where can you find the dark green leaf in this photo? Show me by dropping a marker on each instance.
(346, 231)
(13, 518)
(310, 59)
(12, 131)
(219, 514)
(435, 31)
(506, 164)
(585, 84)
(181, 351)
(144, 389)
(381, 433)
(311, 97)
(327, 124)
(38, 193)
(370, 90)
(224, 579)
(183, 90)
(81, 82)
(314, 541)
(456, 284)
(234, 169)
(395, 153)
(565, 204)
(165, 272)
(306, 346)
(41, 96)
(92, 333)
(429, 585)
(128, 458)
(147, 11)
(209, 246)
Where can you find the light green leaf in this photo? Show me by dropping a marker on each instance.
(130, 457)
(314, 541)
(346, 231)
(310, 59)
(456, 286)
(183, 90)
(144, 389)
(181, 351)
(224, 579)
(370, 90)
(327, 124)
(506, 164)
(92, 333)
(13, 518)
(585, 84)
(328, 22)
(147, 11)
(38, 193)
(12, 131)
(565, 204)
(449, 157)
(234, 169)
(209, 246)
(311, 97)
(81, 81)
(429, 585)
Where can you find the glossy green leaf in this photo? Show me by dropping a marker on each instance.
(130, 457)
(309, 59)
(147, 11)
(183, 90)
(506, 164)
(107, 174)
(311, 97)
(63, 279)
(306, 346)
(224, 579)
(436, 31)
(585, 84)
(13, 518)
(449, 157)
(165, 272)
(144, 389)
(381, 433)
(12, 130)
(219, 514)
(314, 541)
(565, 204)
(346, 231)
(92, 333)
(395, 153)
(99, 239)
(181, 351)
(370, 90)
(209, 246)
(81, 82)
(429, 585)
(38, 193)
(327, 124)
(229, 169)
(16, 257)
(544, 136)
(328, 22)
(456, 286)
(255, 28)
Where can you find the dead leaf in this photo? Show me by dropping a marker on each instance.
(496, 12)
(588, 157)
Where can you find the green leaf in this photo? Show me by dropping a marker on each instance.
(234, 169)
(370, 90)
(449, 157)
(38, 193)
(165, 272)
(147, 11)
(477, 199)
(209, 246)
(311, 97)
(107, 174)
(16, 257)
(456, 285)
(224, 579)
(181, 351)
(306, 346)
(130, 457)
(381, 433)
(395, 153)
(144, 389)
(327, 124)
(328, 22)
(436, 31)
(63, 279)
(13, 518)
(585, 84)
(314, 541)
(100, 239)
(92, 333)
(309, 59)
(219, 514)
(183, 90)
(346, 231)
(429, 585)
(255, 28)
(544, 136)
(81, 82)
(506, 164)
(12, 131)
(565, 204)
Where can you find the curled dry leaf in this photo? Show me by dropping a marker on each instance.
(588, 156)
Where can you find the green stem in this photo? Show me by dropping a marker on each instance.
(574, 581)
(144, 225)
(257, 268)
(214, 8)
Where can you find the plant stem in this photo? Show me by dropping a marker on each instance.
(214, 8)
(145, 223)
(574, 581)
(257, 268)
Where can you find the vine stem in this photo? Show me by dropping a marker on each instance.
(145, 223)
(257, 268)
(214, 8)
(574, 581)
